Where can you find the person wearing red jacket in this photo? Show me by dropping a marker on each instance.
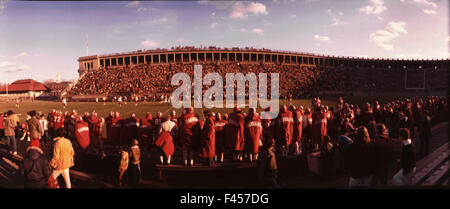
(145, 130)
(220, 124)
(208, 138)
(129, 130)
(189, 122)
(82, 133)
(253, 131)
(319, 128)
(116, 125)
(285, 124)
(164, 141)
(298, 128)
(92, 122)
(236, 121)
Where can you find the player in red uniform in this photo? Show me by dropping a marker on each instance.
(116, 125)
(220, 124)
(208, 138)
(319, 128)
(145, 130)
(285, 129)
(189, 122)
(236, 121)
(82, 133)
(253, 131)
(298, 128)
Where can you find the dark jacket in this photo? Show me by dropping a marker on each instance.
(408, 158)
(359, 160)
(35, 168)
(383, 150)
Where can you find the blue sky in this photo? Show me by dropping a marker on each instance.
(38, 40)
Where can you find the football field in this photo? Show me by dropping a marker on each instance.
(125, 110)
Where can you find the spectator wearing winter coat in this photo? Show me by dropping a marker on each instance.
(134, 168)
(123, 166)
(359, 159)
(383, 148)
(35, 168)
(34, 128)
(407, 162)
(9, 124)
(63, 155)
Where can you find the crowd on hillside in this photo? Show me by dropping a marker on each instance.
(371, 138)
(296, 81)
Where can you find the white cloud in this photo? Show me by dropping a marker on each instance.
(148, 43)
(157, 21)
(243, 30)
(1, 57)
(258, 31)
(321, 38)
(427, 3)
(384, 38)
(7, 64)
(375, 7)
(143, 9)
(447, 39)
(336, 20)
(240, 11)
(429, 11)
(292, 16)
(380, 18)
(213, 25)
(133, 4)
(21, 55)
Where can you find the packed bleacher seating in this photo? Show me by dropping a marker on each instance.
(298, 81)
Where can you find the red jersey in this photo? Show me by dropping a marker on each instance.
(208, 138)
(253, 131)
(82, 134)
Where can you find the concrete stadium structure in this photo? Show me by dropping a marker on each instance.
(245, 55)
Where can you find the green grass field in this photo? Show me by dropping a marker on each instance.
(125, 111)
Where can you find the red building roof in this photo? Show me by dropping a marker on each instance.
(24, 86)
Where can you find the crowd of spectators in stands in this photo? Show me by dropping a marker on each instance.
(296, 81)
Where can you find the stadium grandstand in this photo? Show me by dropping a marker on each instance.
(147, 73)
